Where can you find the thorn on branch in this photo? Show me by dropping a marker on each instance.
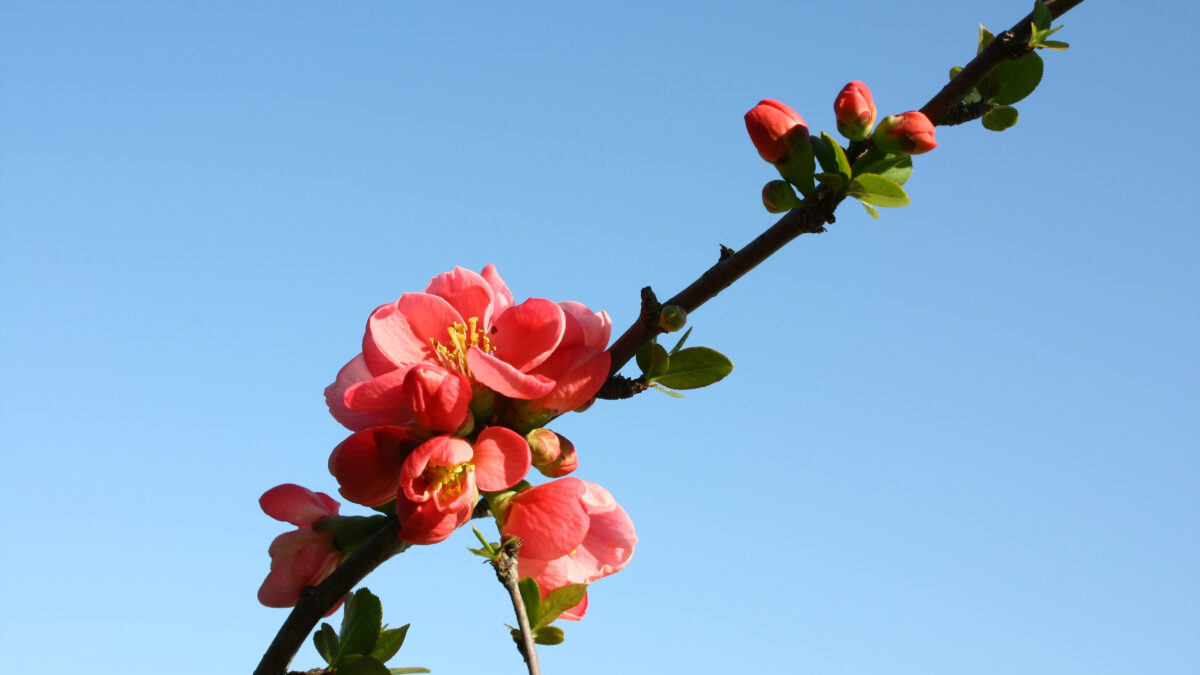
(726, 253)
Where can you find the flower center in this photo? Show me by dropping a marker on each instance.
(453, 354)
(447, 482)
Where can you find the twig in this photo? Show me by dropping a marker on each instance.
(813, 218)
(506, 572)
(315, 601)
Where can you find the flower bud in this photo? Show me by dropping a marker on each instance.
(855, 111)
(552, 453)
(769, 123)
(672, 318)
(778, 196)
(909, 133)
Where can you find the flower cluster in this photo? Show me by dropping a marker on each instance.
(447, 402)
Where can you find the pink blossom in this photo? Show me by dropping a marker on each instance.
(770, 123)
(573, 532)
(440, 480)
(303, 557)
(464, 323)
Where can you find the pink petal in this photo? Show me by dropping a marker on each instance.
(399, 333)
(502, 298)
(504, 379)
(335, 397)
(297, 505)
(441, 451)
(383, 394)
(439, 398)
(367, 464)
(424, 523)
(306, 567)
(527, 334)
(548, 518)
(585, 327)
(466, 291)
(578, 373)
(501, 460)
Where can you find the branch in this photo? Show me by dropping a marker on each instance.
(315, 601)
(812, 218)
(506, 572)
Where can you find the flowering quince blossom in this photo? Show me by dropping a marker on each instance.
(908, 133)
(434, 482)
(854, 109)
(464, 323)
(301, 558)
(769, 124)
(573, 532)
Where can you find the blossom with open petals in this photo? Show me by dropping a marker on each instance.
(303, 557)
(572, 532)
(464, 323)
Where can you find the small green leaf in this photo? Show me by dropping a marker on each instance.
(682, 339)
(896, 168)
(408, 670)
(361, 624)
(531, 595)
(558, 601)
(326, 642)
(985, 39)
(875, 189)
(839, 155)
(358, 664)
(1000, 118)
(824, 154)
(871, 210)
(1012, 81)
(798, 168)
(695, 367)
(1054, 44)
(668, 392)
(1041, 15)
(955, 71)
(550, 635)
(652, 359)
(389, 643)
(835, 181)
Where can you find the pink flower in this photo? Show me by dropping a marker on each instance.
(463, 323)
(770, 123)
(909, 133)
(301, 558)
(573, 532)
(854, 109)
(440, 480)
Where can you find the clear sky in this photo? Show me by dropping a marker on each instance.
(964, 438)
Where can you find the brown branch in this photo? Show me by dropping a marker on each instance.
(812, 219)
(315, 601)
(506, 572)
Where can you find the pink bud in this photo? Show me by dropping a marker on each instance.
(855, 111)
(553, 455)
(769, 123)
(909, 133)
(438, 397)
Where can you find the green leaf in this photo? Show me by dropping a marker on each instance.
(955, 71)
(682, 339)
(652, 359)
(896, 168)
(842, 165)
(410, 669)
(668, 392)
(326, 642)
(389, 643)
(695, 367)
(835, 181)
(875, 189)
(871, 211)
(985, 39)
(531, 595)
(824, 154)
(361, 625)
(550, 635)
(1056, 45)
(358, 664)
(1000, 118)
(1041, 15)
(1012, 81)
(798, 168)
(558, 601)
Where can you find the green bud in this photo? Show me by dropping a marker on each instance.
(672, 317)
(778, 196)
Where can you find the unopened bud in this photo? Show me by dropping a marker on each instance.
(778, 196)
(909, 133)
(855, 111)
(769, 123)
(672, 318)
(553, 455)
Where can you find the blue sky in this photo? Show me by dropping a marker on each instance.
(961, 438)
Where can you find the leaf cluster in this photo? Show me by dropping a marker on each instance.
(364, 644)
(680, 368)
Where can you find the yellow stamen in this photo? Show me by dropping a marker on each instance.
(453, 354)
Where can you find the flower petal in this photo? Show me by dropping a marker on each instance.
(548, 518)
(585, 327)
(502, 459)
(335, 397)
(578, 373)
(367, 464)
(469, 293)
(297, 505)
(504, 379)
(307, 566)
(398, 333)
(527, 334)
(502, 298)
(439, 398)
